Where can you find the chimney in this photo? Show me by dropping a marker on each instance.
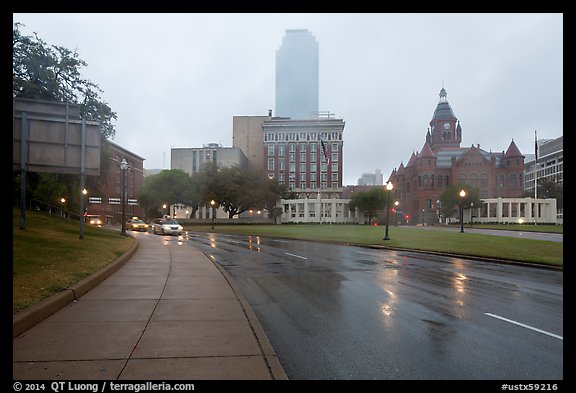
(270, 113)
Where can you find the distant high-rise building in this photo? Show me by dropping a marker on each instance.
(297, 73)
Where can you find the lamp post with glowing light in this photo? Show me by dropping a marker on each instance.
(462, 195)
(83, 212)
(389, 187)
(123, 168)
(212, 203)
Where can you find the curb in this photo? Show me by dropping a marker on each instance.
(36, 313)
(274, 365)
(466, 256)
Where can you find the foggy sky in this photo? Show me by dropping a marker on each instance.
(176, 80)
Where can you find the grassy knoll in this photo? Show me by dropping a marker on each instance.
(500, 247)
(48, 255)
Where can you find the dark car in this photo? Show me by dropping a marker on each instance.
(136, 224)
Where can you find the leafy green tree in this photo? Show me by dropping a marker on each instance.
(170, 187)
(52, 72)
(451, 201)
(369, 202)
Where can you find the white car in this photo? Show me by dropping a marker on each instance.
(166, 226)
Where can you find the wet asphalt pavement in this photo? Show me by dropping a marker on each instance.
(343, 312)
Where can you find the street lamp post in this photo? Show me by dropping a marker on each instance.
(471, 214)
(212, 203)
(462, 195)
(123, 168)
(82, 212)
(395, 212)
(389, 187)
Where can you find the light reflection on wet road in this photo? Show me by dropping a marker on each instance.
(342, 312)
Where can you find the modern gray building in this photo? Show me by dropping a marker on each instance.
(371, 179)
(297, 74)
(191, 159)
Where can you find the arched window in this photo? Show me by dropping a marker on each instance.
(419, 181)
(500, 181)
(431, 180)
(425, 180)
(513, 180)
(440, 181)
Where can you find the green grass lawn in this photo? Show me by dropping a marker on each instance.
(48, 256)
(408, 237)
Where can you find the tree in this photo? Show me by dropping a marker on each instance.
(451, 201)
(369, 202)
(51, 72)
(170, 187)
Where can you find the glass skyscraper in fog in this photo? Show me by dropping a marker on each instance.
(297, 75)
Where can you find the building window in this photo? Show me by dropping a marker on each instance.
(425, 180)
(513, 180)
(500, 181)
(334, 177)
(302, 186)
(419, 181)
(302, 148)
(281, 136)
(303, 177)
(303, 167)
(270, 164)
(323, 185)
(334, 184)
(281, 178)
(291, 136)
(335, 157)
(292, 186)
(281, 150)
(314, 137)
(323, 176)
(269, 136)
(313, 157)
(302, 136)
(292, 157)
(447, 181)
(429, 203)
(335, 167)
(334, 136)
(302, 157)
(484, 181)
(323, 167)
(292, 147)
(313, 186)
(334, 147)
(431, 180)
(313, 177)
(292, 167)
(313, 146)
(281, 165)
(313, 167)
(271, 149)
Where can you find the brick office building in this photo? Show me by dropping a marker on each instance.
(106, 202)
(442, 162)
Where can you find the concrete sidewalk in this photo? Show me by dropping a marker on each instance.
(168, 313)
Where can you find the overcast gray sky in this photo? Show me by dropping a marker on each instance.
(176, 80)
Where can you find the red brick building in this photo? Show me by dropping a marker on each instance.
(106, 202)
(442, 162)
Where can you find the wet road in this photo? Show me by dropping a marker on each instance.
(342, 312)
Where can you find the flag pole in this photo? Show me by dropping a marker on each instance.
(535, 177)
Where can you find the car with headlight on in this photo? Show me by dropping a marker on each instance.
(166, 226)
(93, 219)
(136, 224)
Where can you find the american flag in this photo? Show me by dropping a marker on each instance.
(324, 152)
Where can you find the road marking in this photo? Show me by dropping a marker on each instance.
(526, 326)
(294, 255)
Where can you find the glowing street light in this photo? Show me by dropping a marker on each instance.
(389, 187)
(462, 195)
(212, 203)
